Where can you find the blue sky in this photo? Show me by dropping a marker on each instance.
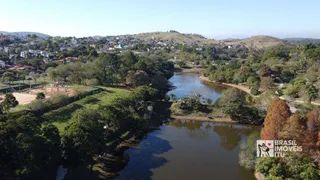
(211, 18)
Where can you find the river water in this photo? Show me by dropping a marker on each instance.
(189, 150)
(189, 83)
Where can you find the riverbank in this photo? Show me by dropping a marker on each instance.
(247, 90)
(258, 175)
(205, 119)
(240, 87)
(190, 70)
(181, 134)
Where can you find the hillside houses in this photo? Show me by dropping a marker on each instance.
(67, 60)
(35, 54)
(60, 49)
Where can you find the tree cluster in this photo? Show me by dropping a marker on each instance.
(235, 104)
(262, 70)
(305, 130)
(29, 149)
(113, 69)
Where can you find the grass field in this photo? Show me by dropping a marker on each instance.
(61, 116)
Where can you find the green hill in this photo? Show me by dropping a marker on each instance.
(175, 37)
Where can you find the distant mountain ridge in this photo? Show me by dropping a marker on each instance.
(303, 40)
(258, 42)
(24, 34)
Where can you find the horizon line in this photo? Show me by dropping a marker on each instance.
(206, 36)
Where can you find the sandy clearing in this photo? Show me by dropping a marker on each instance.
(23, 98)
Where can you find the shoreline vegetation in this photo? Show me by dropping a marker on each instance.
(240, 87)
(247, 90)
(199, 70)
(204, 119)
(188, 70)
(291, 102)
(213, 113)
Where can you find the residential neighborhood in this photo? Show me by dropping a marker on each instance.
(21, 50)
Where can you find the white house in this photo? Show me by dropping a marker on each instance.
(74, 43)
(32, 51)
(44, 54)
(24, 54)
(118, 46)
(2, 64)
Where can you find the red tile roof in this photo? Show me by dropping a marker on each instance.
(20, 67)
(68, 58)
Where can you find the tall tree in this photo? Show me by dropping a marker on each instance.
(8, 103)
(83, 136)
(312, 134)
(293, 128)
(278, 113)
(312, 92)
(128, 60)
(107, 67)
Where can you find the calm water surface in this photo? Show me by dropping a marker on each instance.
(189, 83)
(189, 150)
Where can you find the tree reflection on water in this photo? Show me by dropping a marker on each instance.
(229, 134)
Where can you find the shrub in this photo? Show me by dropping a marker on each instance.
(40, 96)
(292, 91)
(191, 103)
(254, 90)
(173, 97)
(60, 99)
(92, 82)
(37, 105)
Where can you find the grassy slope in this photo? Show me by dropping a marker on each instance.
(258, 42)
(61, 116)
(176, 37)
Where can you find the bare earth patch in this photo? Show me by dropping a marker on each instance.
(49, 91)
(23, 98)
(28, 97)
